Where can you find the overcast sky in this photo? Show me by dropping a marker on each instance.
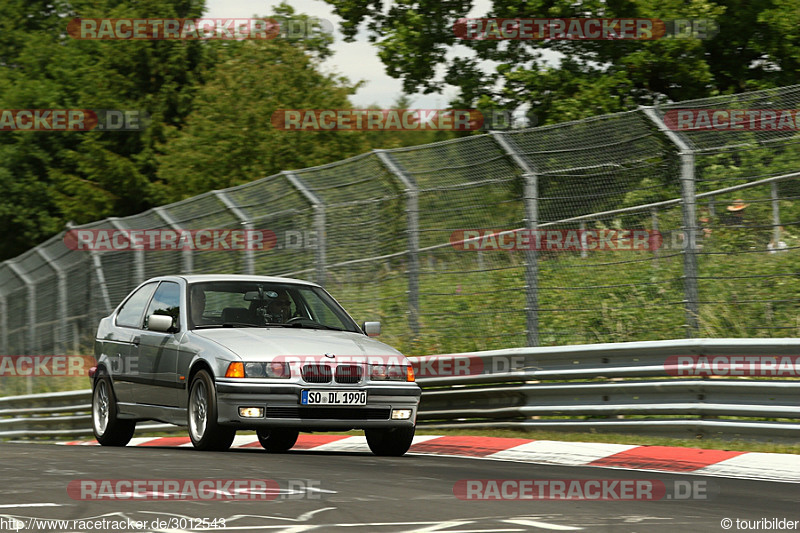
(357, 60)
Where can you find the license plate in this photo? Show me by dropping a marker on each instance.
(333, 397)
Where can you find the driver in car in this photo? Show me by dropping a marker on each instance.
(281, 308)
(198, 306)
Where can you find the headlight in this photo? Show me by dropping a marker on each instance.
(277, 369)
(254, 370)
(267, 370)
(391, 373)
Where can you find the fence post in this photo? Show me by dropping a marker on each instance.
(412, 210)
(187, 258)
(3, 324)
(31, 288)
(30, 348)
(138, 255)
(320, 223)
(654, 220)
(249, 253)
(688, 201)
(776, 214)
(97, 264)
(531, 200)
(584, 240)
(61, 338)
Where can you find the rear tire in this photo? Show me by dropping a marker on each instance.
(279, 440)
(108, 429)
(390, 442)
(204, 430)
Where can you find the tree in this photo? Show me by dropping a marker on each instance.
(758, 46)
(229, 138)
(49, 178)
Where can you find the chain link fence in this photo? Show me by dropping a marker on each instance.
(384, 232)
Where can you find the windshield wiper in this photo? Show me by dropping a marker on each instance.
(228, 325)
(314, 325)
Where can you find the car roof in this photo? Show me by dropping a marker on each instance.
(197, 278)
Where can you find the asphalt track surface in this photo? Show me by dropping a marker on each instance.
(358, 492)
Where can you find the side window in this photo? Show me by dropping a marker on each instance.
(131, 313)
(166, 301)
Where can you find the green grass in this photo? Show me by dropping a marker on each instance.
(597, 299)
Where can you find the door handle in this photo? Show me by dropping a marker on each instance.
(136, 340)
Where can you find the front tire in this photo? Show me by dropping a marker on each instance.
(108, 429)
(204, 430)
(390, 442)
(277, 440)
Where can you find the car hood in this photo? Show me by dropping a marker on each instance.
(256, 344)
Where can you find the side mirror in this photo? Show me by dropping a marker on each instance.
(162, 323)
(372, 329)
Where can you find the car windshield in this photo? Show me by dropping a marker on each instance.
(243, 303)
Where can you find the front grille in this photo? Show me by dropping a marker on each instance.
(348, 374)
(317, 373)
(328, 413)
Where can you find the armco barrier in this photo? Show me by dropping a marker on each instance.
(619, 387)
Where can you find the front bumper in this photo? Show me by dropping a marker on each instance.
(281, 403)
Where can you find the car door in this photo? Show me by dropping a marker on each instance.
(121, 345)
(158, 351)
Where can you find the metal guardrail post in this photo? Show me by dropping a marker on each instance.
(187, 259)
(412, 209)
(776, 214)
(30, 286)
(138, 255)
(3, 324)
(249, 255)
(319, 223)
(654, 221)
(97, 264)
(61, 337)
(584, 240)
(688, 200)
(531, 200)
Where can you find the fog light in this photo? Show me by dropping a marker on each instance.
(251, 412)
(401, 414)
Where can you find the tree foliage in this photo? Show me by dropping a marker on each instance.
(758, 46)
(209, 105)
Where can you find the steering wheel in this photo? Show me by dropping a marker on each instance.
(296, 319)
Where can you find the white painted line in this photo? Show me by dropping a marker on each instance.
(242, 440)
(424, 438)
(560, 453)
(541, 525)
(5, 506)
(350, 444)
(138, 441)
